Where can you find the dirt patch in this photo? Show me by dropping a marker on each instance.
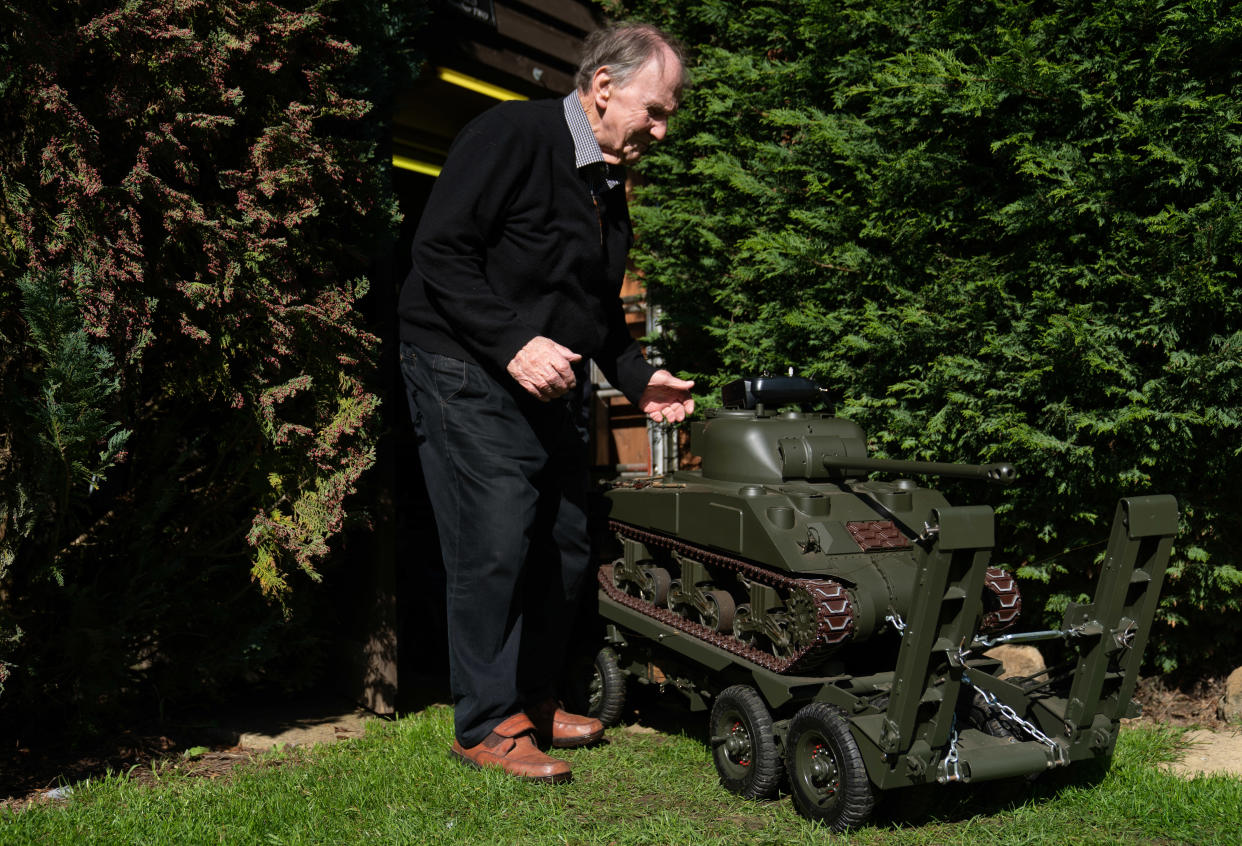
(1213, 747)
(1193, 704)
(1210, 753)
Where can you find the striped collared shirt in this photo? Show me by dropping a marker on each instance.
(587, 154)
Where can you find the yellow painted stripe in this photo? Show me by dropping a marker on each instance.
(415, 165)
(452, 77)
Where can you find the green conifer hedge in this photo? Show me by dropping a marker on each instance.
(995, 230)
(191, 194)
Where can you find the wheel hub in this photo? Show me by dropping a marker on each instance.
(595, 691)
(822, 771)
(737, 747)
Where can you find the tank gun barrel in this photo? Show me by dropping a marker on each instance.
(1001, 473)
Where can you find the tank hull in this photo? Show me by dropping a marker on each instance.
(861, 535)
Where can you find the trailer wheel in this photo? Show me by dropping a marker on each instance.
(827, 776)
(606, 690)
(743, 744)
(989, 722)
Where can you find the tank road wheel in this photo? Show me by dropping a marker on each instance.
(677, 601)
(744, 627)
(622, 577)
(654, 585)
(743, 744)
(794, 627)
(720, 610)
(712, 608)
(777, 631)
(647, 582)
(826, 772)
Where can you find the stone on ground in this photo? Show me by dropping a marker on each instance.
(1017, 661)
(1231, 703)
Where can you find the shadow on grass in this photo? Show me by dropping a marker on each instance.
(35, 759)
(955, 803)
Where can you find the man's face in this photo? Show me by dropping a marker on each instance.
(633, 115)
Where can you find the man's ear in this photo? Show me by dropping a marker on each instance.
(601, 87)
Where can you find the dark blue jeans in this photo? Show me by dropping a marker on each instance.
(507, 479)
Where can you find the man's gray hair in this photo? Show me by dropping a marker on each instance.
(624, 48)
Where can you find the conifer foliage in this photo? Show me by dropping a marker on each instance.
(191, 193)
(996, 230)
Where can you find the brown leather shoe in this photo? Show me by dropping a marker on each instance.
(562, 729)
(511, 747)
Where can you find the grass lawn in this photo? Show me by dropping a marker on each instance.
(398, 785)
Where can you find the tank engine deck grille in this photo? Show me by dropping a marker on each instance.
(876, 534)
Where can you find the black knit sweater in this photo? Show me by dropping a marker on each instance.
(512, 244)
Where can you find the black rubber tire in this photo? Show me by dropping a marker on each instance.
(988, 722)
(744, 747)
(827, 777)
(606, 691)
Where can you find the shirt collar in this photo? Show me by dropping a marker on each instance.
(587, 153)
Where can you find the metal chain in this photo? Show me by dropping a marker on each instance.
(1059, 754)
(950, 767)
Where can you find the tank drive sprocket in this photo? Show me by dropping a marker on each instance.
(818, 615)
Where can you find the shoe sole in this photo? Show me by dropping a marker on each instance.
(556, 778)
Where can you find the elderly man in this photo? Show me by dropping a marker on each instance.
(518, 263)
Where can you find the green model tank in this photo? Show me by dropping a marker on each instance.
(831, 612)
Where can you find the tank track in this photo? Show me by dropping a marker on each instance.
(834, 611)
(1002, 602)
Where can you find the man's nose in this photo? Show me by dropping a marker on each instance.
(659, 129)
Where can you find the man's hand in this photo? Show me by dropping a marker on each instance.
(543, 368)
(666, 398)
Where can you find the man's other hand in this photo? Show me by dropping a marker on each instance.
(667, 398)
(544, 368)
